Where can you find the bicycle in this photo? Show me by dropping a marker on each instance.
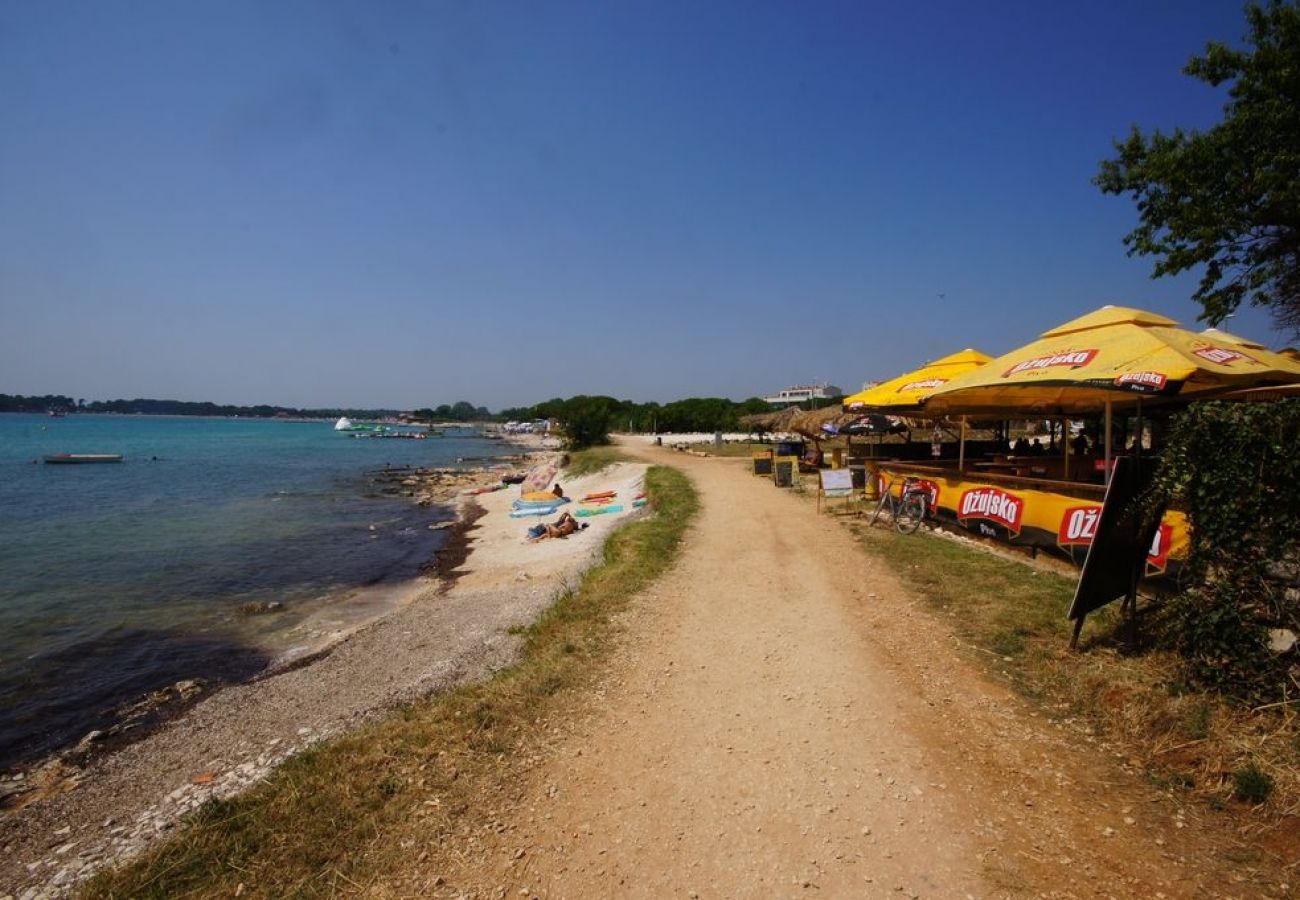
(908, 510)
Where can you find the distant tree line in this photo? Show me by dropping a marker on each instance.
(598, 415)
(691, 414)
(460, 411)
(40, 404)
(588, 420)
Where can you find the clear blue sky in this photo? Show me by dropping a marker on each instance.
(404, 204)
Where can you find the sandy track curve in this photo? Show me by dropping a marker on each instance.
(783, 720)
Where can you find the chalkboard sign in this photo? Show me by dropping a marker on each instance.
(784, 469)
(1119, 547)
(763, 463)
(836, 482)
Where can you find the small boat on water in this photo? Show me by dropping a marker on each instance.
(346, 424)
(61, 458)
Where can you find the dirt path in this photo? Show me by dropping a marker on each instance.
(784, 721)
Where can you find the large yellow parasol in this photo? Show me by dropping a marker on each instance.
(906, 392)
(1112, 356)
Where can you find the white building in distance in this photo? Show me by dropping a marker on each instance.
(798, 393)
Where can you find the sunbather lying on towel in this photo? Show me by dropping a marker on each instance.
(564, 526)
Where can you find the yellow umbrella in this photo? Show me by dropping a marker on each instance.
(1227, 337)
(1115, 355)
(906, 392)
(1280, 358)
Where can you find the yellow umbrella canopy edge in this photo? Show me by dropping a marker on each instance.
(1107, 316)
(907, 391)
(1232, 363)
(1227, 337)
(1283, 360)
(1114, 354)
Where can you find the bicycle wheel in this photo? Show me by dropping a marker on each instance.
(911, 510)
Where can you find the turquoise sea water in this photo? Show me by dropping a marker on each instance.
(119, 579)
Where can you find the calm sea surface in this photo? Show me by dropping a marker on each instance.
(119, 579)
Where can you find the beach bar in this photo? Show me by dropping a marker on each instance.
(1112, 362)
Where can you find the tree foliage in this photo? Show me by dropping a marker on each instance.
(149, 407)
(1227, 199)
(687, 415)
(1234, 469)
(586, 421)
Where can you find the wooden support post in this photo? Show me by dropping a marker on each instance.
(1065, 452)
(1107, 440)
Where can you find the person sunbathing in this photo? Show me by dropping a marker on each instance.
(564, 526)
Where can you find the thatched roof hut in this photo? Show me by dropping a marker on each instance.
(771, 421)
(809, 424)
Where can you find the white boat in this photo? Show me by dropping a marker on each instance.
(346, 424)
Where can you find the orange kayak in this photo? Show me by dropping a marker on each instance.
(601, 495)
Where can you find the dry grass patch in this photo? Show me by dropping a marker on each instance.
(1185, 740)
(593, 460)
(745, 449)
(386, 808)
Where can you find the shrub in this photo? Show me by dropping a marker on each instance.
(586, 421)
(1251, 784)
(1234, 469)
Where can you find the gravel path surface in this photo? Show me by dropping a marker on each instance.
(783, 720)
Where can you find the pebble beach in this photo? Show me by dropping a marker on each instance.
(88, 808)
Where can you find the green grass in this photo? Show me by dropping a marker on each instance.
(1002, 604)
(592, 460)
(1014, 615)
(348, 814)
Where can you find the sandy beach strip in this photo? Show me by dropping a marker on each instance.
(455, 629)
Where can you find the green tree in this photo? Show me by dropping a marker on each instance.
(1227, 199)
(587, 420)
(462, 411)
(549, 409)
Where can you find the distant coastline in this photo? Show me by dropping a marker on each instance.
(58, 403)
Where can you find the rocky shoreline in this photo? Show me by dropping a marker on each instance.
(99, 809)
(136, 718)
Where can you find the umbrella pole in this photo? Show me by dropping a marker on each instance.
(1106, 480)
(1065, 449)
(1137, 440)
(961, 448)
